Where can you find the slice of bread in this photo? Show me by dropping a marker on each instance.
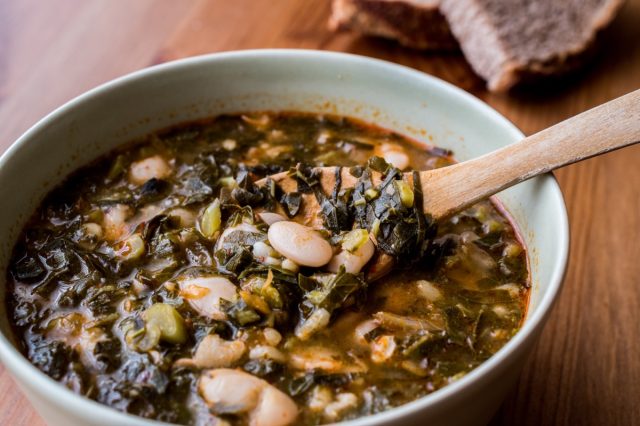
(413, 23)
(510, 41)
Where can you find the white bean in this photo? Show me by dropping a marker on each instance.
(270, 218)
(393, 154)
(230, 390)
(272, 261)
(318, 320)
(151, 167)
(229, 144)
(274, 409)
(315, 357)
(396, 159)
(512, 288)
(364, 328)
(131, 248)
(290, 265)
(344, 402)
(310, 358)
(501, 311)
(272, 336)
(267, 352)
(92, 230)
(145, 214)
(261, 250)
(204, 294)
(114, 222)
(214, 352)
(233, 391)
(321, 396)
(382, 349)
(428, 290)
(301, 244)
(72, 329)
(353, 262)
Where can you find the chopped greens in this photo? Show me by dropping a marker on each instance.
(152, 274)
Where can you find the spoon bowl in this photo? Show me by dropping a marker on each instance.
(448, 190)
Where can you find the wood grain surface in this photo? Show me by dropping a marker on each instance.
(586, 368)
(605, 128)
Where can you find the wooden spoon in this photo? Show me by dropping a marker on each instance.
(448, 190)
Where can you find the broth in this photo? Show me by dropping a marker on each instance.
(148, 281)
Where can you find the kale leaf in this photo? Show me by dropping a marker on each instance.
(332, 293)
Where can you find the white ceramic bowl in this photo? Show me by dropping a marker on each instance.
(389, 95)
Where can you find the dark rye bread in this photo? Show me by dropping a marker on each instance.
(509, 41)
(413, 23)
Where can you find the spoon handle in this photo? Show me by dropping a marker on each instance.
(610, 126)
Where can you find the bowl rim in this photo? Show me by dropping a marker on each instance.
(19, 366)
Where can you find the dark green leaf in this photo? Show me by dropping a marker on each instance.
(52, 357)
(379, 165)
(291, 203)
(300, 385)
(28, 270)
(333, 294)
(152, 190)
(239, 261)
(263, 367)
(240, 313)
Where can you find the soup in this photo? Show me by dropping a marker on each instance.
(162, 281)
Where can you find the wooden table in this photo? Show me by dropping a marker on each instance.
(586, 368)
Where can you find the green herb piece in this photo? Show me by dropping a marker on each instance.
(241, 313)
(492, 226)
(228, 182)
(168, 320)
(145, 338)
(406, 193)
(512, 250)
(423, 340)
(305, 177)
(378, 164)
(371, 194)
(353, 240)
(255, 302)
(375, 228)
(246, 316)
(272, 296)
(117, 168)
(211, 219)
(332, 294)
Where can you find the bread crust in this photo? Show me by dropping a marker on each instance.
(413, 23)
(505, 58)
